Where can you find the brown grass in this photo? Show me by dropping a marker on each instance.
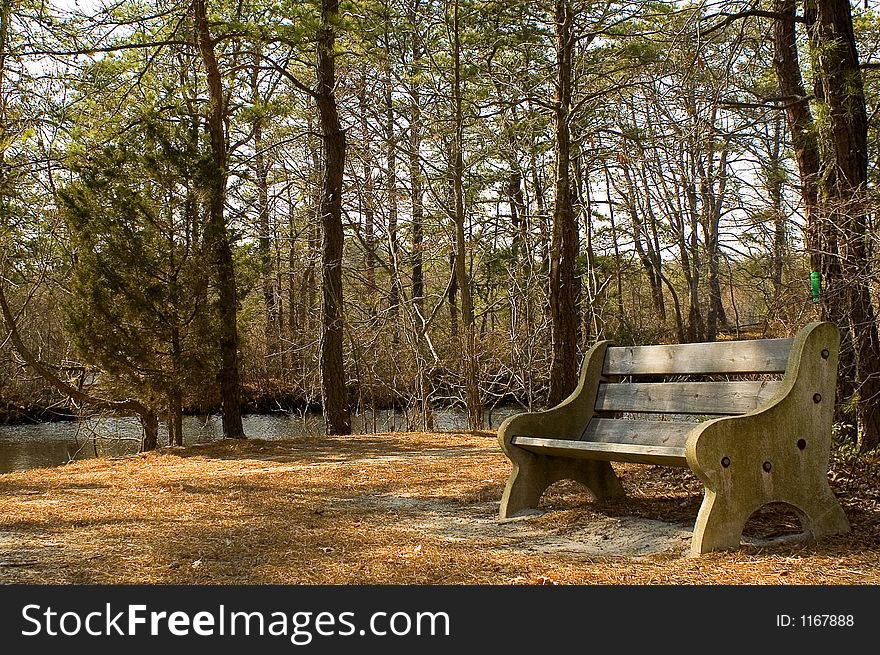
(379, 509)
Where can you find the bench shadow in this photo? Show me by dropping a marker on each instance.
(774, 529)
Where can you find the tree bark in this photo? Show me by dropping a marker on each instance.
(564, 281)
(473, 398)
(820, 237)
(334, 398)
(844, 175)
(775, 180)
(415, 175)
(821, 242)
(267, 262)
(366, 194)
(394, 292)
(648, 255)
(421, 384)
(832, 159)
(713, 185)
(216, 233)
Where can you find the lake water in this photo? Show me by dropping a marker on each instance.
(53, 444)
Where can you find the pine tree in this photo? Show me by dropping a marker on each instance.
(138, 306)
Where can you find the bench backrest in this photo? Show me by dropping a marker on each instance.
(632, 371)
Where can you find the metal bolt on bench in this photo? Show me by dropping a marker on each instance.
(771, 443)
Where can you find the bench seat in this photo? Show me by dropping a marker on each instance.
(630, 452)
(639, 442)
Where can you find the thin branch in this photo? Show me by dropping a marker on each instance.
(729, 18)
(97, 49)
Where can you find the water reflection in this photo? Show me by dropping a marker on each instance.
(52, 444)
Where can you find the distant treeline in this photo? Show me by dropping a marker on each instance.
(281, 206)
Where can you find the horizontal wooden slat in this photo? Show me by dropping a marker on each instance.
(638, 454)
(756, 356)
(685, 397)
(645, 433)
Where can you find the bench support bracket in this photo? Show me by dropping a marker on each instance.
(533, 474)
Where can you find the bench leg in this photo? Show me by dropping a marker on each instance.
(719, 524)
(524, 487)
(820, 513)
(532, 474)
(596, 476)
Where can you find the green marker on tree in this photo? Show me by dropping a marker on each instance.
(815, 282)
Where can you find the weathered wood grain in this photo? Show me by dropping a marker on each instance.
(685, 397)
(757, 356)
(647, 433)
(635, 453)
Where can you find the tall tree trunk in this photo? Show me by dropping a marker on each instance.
(594, 289)
(216, 233)
(564, 281)
(832, 162)
(311, 303)
(391, 190)
(267, 261)
(540, 213)
(644, 244)
(421, 384)
(518, 213)
(366, 193)
(582, 198)
(175, 393)
(820, 236)
(775, 178)
(844, 175)
(415, 175)
(618, 263)
(333, 392)
(713, 186)
(452, 290)
(470, 371)
(689, 243)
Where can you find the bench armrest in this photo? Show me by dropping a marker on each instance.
(566, 420)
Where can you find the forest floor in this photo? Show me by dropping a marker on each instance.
(401, 508)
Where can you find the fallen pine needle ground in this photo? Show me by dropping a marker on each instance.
(400, 508)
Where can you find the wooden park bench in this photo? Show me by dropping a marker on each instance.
(764, 408)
